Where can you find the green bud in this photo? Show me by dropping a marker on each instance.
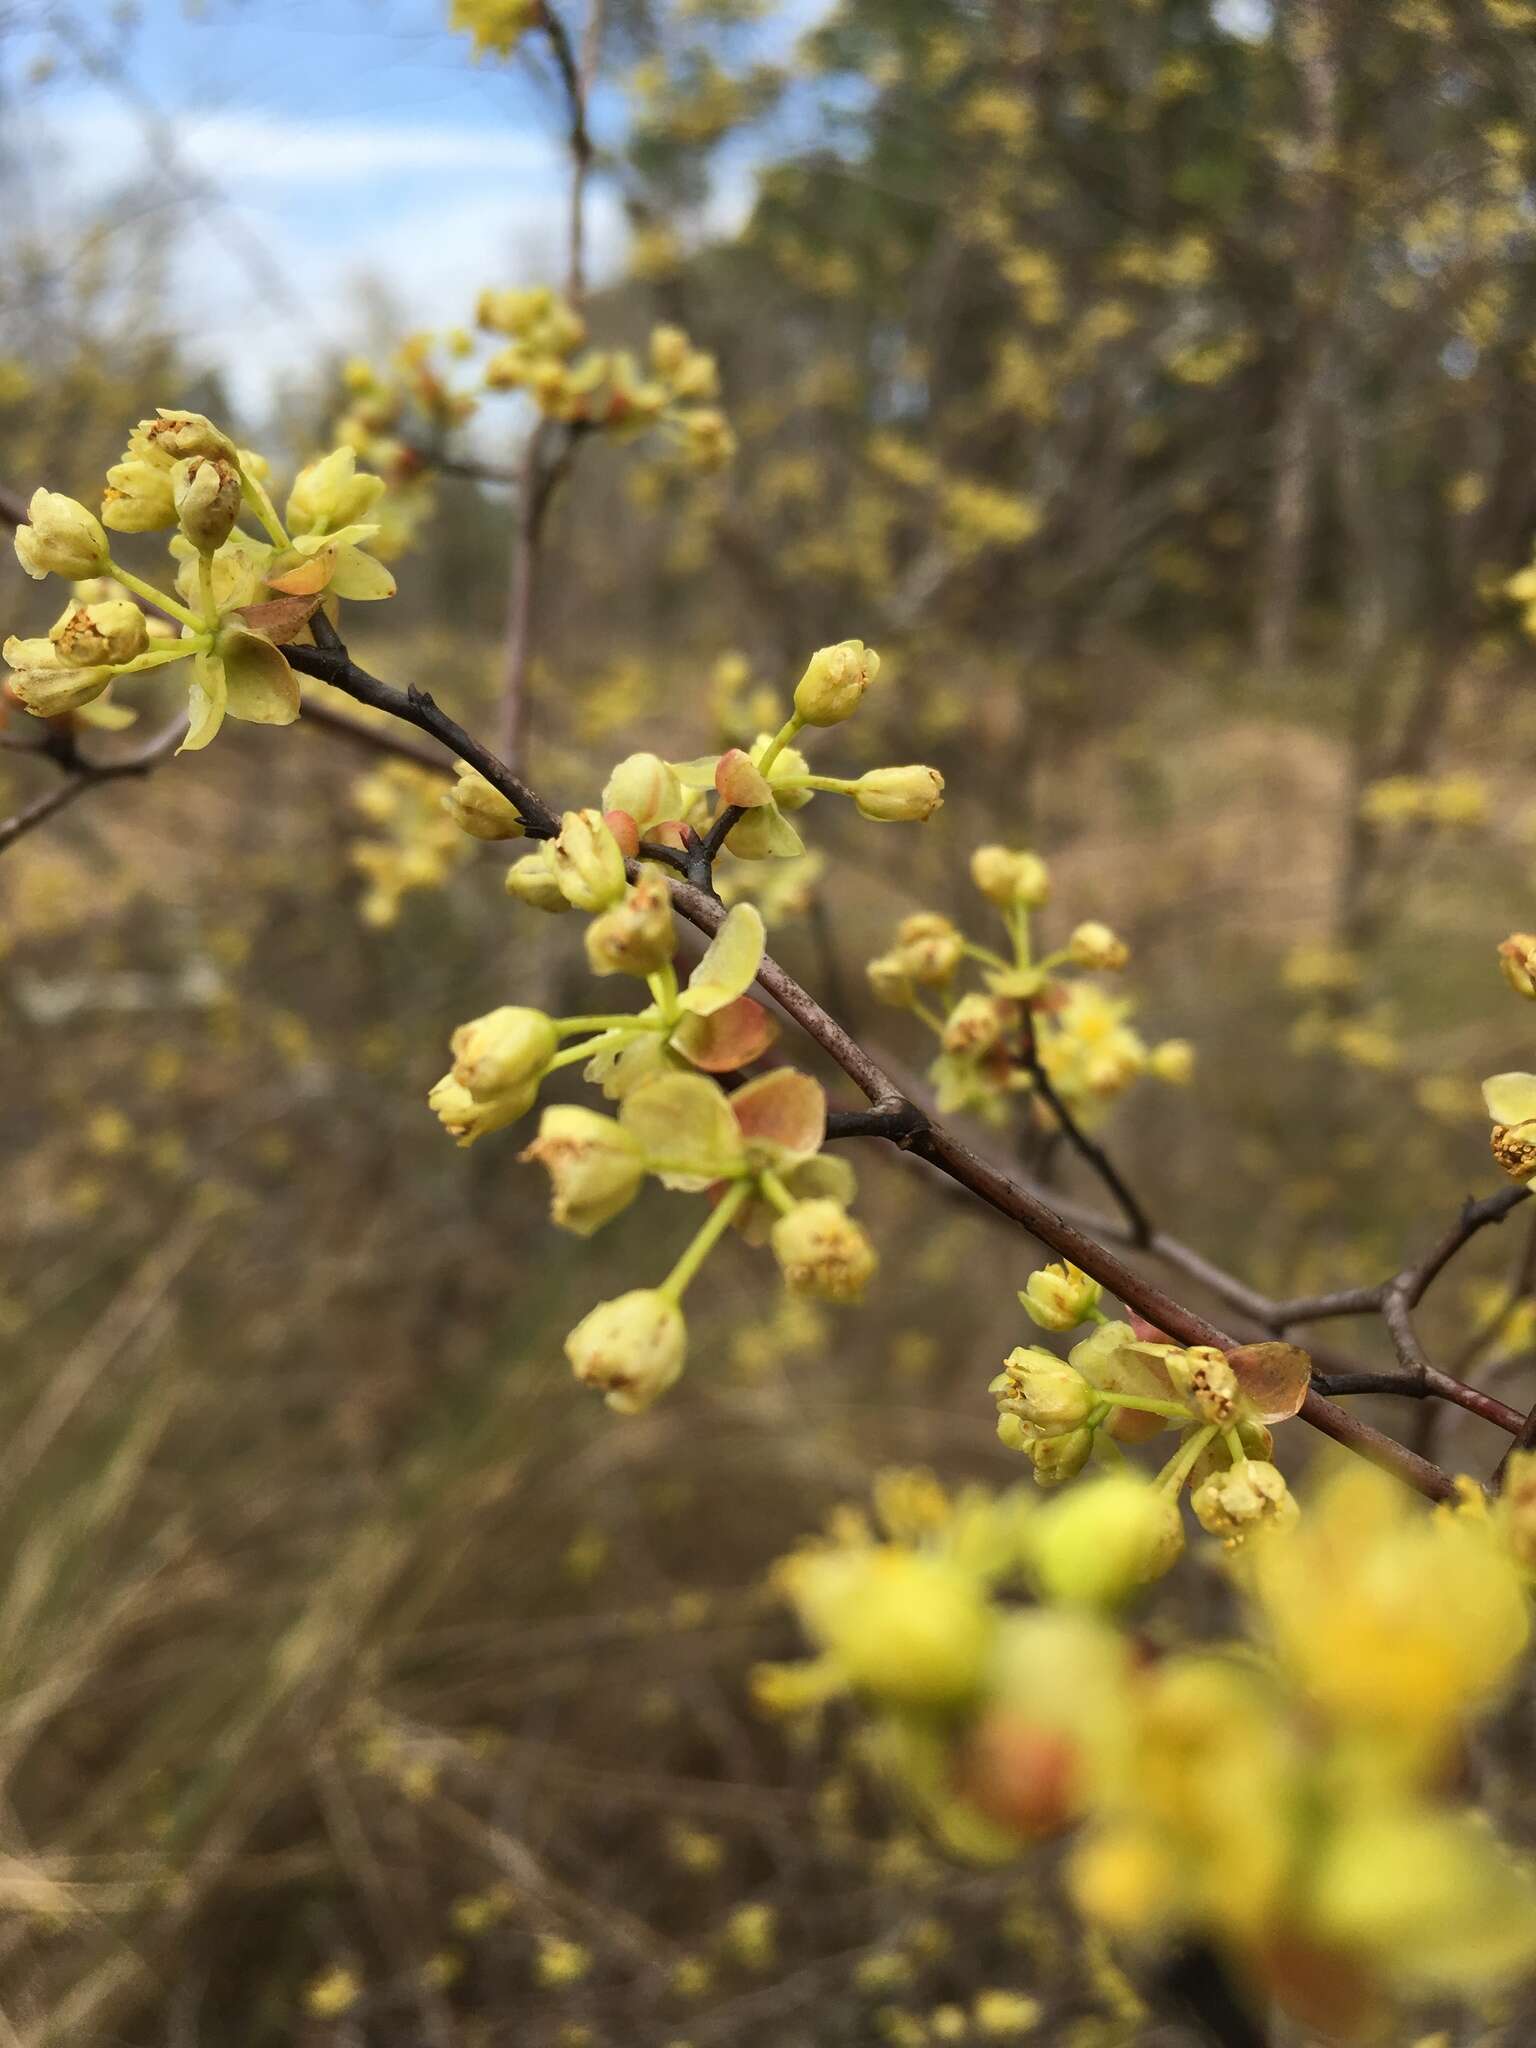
(1059, 1297)
(1098, 1543)
(822, 1251)
(502, 1051)
(206, 489)
(479, 809)
(595, 1167)
(532, 880)
(899, 796)
(62, 539)
(587, 861)
(637, 936)
(633, 1348)
(834, 682)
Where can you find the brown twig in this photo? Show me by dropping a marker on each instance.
(82, 774)
(1087, 1149)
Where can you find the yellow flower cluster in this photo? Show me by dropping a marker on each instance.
(236, 593)
(757, 1151)
(1284, 1798)
(1119, 1386)
(605, 388)
(413, 844)
(1026, 1011)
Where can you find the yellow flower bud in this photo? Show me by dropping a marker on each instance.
(707, 438)
(481, 810)
(1517, 963)
(466, 1117)
(632, 1347)
(646, 787)
(1097, 1544)
(670, 349)
(973, 1026)
(822, 1251)
(929, 948)
(834, 681)
(330, 494)
(502, 1051)
(1010, 879)
(63, 539)
(637, 936)
(1059, 1455)
(1250, 1494)
(138, 497)
(587, 862)
(1203, 1377)
(45, 684)
(889, 980)
(899, 796)
(595, 1167)
(532, 880)
(1173, 1061)
(1095, 946)
(114, 631)
(1059, 1296)
(207, 495)
(1044, 1389)
(176, 436)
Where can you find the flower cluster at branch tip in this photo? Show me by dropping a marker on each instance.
(236, 593)
(1285, 1799)
(1117, 1386)
(756, 1151)
(398, 417)
(1026, 1011)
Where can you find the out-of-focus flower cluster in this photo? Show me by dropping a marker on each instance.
(1286, 1797)
(1027, 1011)
(398, 415)
(413, 842)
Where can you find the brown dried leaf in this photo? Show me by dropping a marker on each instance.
(1274, 1377)
(731, 1038)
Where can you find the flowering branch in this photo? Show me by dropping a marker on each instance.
(892, 1115)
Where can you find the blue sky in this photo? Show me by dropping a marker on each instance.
(328, 138)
